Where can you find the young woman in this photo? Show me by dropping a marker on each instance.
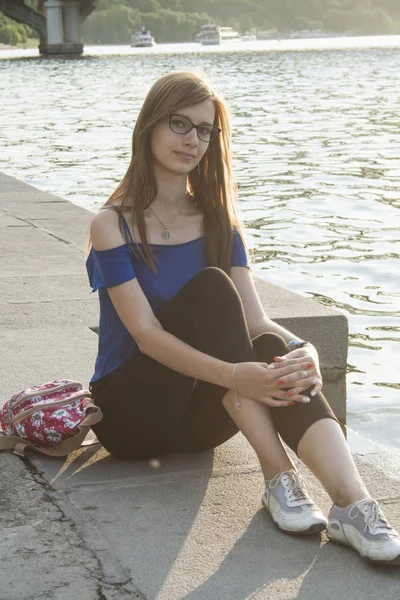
(187, 356)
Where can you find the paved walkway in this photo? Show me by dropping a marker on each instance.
(94, 528)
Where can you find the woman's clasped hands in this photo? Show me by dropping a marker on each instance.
(283, 382)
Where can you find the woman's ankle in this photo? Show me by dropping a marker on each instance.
(346, 496)
(270, 471)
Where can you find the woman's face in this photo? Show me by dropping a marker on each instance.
(179, 153)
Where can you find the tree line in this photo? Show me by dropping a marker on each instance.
(114, 21)
(16, 34)
(179, 20)
(13, 33)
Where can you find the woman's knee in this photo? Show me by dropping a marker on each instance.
(212, 287)
(268, 345)
(212, 277)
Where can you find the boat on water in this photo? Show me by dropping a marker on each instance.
(211, 35)
(142, 39)
(228, 34)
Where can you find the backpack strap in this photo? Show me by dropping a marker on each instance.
(18, 445)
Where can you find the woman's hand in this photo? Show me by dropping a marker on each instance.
(265, 383)
(312, 377)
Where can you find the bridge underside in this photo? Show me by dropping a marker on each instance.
(18, 11)
(87, 7)
(58, 22)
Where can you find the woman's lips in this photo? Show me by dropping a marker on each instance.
(184, 155)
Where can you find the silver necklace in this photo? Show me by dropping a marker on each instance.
(166, 234)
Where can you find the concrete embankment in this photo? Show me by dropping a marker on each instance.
(90, 527)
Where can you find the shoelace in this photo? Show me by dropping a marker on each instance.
(295, 491)
(373, 516)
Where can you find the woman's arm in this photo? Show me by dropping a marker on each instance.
(257, 320)
(258, 323)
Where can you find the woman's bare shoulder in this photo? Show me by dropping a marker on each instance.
(104, 230)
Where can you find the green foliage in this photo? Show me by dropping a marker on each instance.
(301, 23)
(358, 20)
(12, 33)
(180, 20)
(169, 26)
(114, 21)
(112, 25)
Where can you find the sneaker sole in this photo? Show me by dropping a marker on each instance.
(393, 562)
(316, 528)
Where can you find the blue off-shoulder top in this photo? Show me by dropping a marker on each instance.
(176, 264)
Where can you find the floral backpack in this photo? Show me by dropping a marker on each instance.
(53, 418)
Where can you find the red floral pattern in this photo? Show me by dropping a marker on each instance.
(45, 414)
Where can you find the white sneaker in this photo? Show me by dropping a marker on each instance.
(363, 526)
(290, 507)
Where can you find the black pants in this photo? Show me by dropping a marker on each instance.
(150, 410)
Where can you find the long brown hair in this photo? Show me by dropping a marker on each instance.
(211, 183)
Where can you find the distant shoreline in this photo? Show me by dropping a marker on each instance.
(7, 47)
(31, 43)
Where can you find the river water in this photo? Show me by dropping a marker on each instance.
(316, 154)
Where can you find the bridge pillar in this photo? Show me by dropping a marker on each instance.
(63, 28)
(72, 23)
(54, 22)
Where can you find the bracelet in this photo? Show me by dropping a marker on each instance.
(294, 344)
(237, 401)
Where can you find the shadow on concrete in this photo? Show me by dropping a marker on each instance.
(259, 561)
(136, 517)
(327, 578)
(191, 527)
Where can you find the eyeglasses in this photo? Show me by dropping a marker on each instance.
(182, 125)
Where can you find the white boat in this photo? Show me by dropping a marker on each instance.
(142, 39)
(209, 35)
(228, 34)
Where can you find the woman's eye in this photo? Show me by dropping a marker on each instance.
(178, 123)
(205, 130)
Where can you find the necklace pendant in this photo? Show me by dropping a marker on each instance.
(166, 234)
